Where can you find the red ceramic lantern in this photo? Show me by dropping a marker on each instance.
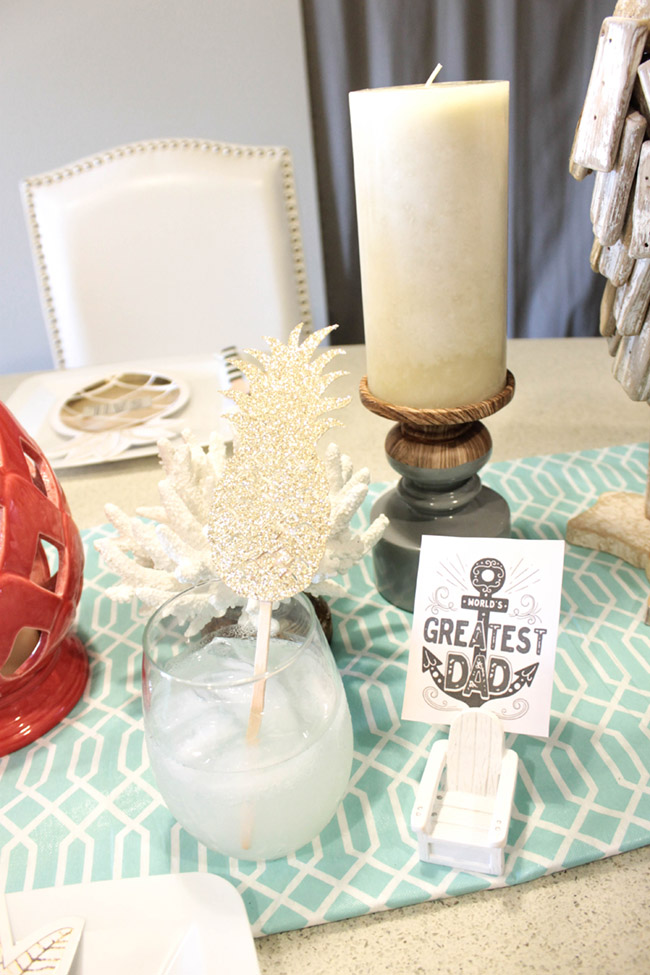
(43, 668)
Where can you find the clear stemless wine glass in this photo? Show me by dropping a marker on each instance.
(258, 799)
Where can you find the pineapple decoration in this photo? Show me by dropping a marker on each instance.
(270, 518)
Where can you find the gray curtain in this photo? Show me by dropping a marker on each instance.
(545, 49)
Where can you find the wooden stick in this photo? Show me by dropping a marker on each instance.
(257, 707)
(260, 667)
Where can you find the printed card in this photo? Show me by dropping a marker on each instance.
(485, 627)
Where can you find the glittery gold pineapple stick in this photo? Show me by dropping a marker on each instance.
(270, 517)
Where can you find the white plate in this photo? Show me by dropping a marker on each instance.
(109, 411)
(178, 924)
(35, 398)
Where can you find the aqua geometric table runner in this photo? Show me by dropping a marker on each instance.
(80, 804)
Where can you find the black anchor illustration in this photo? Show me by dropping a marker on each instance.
(487, 577)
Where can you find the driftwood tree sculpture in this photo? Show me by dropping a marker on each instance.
(612, 141)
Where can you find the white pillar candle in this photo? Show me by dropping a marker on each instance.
(431, 180)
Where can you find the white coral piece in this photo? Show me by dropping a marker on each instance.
(170, 552)
(344, 546)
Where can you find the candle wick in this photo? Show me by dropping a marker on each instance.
(434, 74)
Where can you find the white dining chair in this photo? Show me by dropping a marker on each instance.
(167, 247)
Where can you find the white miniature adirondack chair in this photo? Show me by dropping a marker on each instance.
(464, 822)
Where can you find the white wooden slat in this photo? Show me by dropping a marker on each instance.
(640, 241)
(504, 798)
(618, 55)
(469, 801)
(632, 364)
(612, 190)
(465, 816)
(615, 261)
(635, 9)
(456, 839)
(613, 342)
(596, 254)
(578, 172)
(474, 753)
(641, 90)
(426, 795)
(632, 300)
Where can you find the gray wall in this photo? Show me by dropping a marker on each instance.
(78, 76)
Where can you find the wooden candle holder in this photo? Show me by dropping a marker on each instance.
(437, 453)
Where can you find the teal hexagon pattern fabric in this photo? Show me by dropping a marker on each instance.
(81, 804)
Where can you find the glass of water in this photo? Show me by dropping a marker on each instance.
(252, 799)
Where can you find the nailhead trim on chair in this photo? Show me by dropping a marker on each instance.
(223, 148)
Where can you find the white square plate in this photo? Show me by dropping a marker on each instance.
(33, 402)
(180, 924)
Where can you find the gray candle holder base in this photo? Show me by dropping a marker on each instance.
(438, 454)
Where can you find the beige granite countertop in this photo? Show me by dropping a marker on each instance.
(593, 919)
(565, 399)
